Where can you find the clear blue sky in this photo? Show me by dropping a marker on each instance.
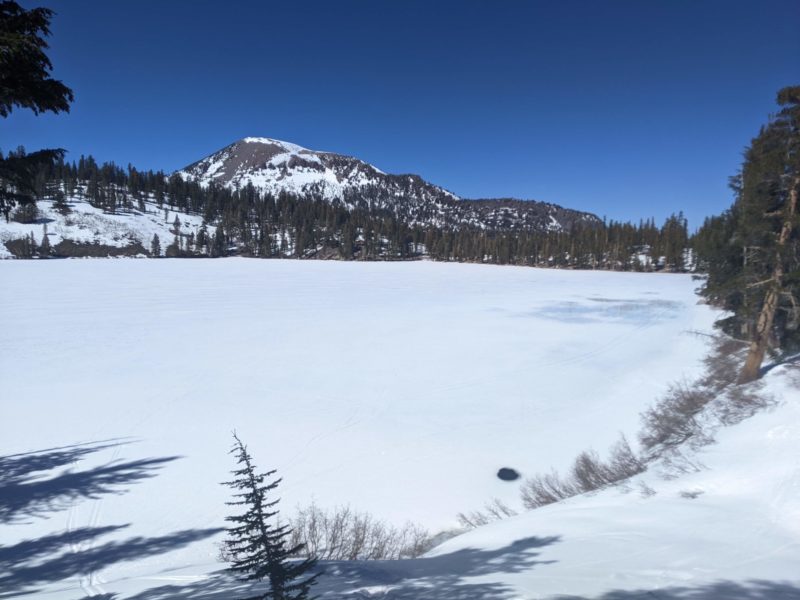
(628, 109)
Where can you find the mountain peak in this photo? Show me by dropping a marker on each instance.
(289, 146)
(275, 166)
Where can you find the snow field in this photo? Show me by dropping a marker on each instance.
(399, 388)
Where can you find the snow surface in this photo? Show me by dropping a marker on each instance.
(399, 388)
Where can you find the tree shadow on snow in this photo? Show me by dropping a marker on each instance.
(793, 359)
(29, 490)
(58, 557)
(434, 578)
(437, 577)
(219, 586)
(720, 590)
(25, 492)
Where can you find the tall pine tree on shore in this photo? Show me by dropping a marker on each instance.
(752, 252)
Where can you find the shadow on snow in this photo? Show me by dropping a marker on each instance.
(720, 590)
(29, 491)
(434, 578)
(25, 493)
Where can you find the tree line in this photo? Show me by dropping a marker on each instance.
(247, 222)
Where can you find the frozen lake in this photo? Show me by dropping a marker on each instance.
(399, 388)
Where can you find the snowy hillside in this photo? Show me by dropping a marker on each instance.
(399, 388)
(90, 231)
(81, 228)
(273, 166)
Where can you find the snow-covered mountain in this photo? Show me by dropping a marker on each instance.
(273, 166)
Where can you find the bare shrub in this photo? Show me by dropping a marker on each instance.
(492, 511)
(676, 462)
(589, 473)
(672, 420)
(742, 402)
(541, 490)
(645, 491)
(723, 362)
(343, 533)
(623, 463)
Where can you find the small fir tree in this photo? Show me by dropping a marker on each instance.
(155, 246)
(257, 543)
(60, 203)
(44, 247)
(218, 245)
(33, 247)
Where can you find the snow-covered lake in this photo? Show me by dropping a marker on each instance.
(399, 388)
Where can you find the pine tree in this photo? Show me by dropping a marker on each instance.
(219, 247)
(257, 543)
(25, 82)
(33, 247)
(44, 247)
(155, 246)
(752, 252)
(60, 203)
(769, 202)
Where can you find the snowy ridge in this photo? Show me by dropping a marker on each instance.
(274, 166)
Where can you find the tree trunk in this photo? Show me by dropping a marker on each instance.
(758, 346)
(760, 341)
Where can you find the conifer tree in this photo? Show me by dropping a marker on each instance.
(33, 247)
(219, 245)
(60, 203)
(257, 543)
(752, 252)
(25, 82)
(155, 246)
(44, 247)
(769, 203)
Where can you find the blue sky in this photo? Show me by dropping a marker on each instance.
(627, 109)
